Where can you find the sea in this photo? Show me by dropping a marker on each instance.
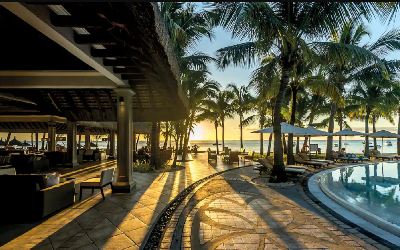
(354, 146)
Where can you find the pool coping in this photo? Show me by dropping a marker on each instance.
(315, 189)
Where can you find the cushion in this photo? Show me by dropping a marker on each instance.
(91, 182)
(52, 179)
(304, 156)
(89, 152)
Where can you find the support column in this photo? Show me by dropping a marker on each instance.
(112, 145)
(71, 145)
(37, 142)
(155, 153)
(51, 143)
(87, 138)
(124, 182)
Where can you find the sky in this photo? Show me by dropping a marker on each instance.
(240, 76)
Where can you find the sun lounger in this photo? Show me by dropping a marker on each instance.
(293, 170)
(306, 157)
(299, 160)
(336, 157)
(375, 153)
(211, 156)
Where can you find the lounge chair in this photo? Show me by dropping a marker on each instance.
(211, 156)
(306, 157)
(249, 156)
(375, 153)
(336, 157)
(226, 151)
(293, 170)
(300, 160)
(98, 183)
(232, 157)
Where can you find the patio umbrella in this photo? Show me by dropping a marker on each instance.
(348, 132)
(312, 132)
(25, 143)
(384, 134)
(15, 142)
(286, 128)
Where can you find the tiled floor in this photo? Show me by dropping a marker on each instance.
(122, 220)
(224, 213)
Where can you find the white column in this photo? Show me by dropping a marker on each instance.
(71, 144)
(124, 182)
(51, 143)
(112, 145)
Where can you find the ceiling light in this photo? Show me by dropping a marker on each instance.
(59, 10)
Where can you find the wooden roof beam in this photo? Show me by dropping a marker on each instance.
(76, 21)
(119, 62)
(104, 39)
(38, 16)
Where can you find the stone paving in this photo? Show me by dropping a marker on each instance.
(120, 221)
(227, 212)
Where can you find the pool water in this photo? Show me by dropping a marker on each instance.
(374, 188)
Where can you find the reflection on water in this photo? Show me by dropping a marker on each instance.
(375, 188)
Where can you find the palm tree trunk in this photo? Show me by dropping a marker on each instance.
(285, 147)
(278, 171)
(137, 142)
(186, 139)
(290, 158)
(269, 145)
(297, 145)
(79, 141)
(261, 144)
(398, 131)
(340, 138)
(374, 130)
(216, 136)
(329, 142)
(166, 135)
(223, 132)
(176, 149)
(366, 150)
(241, 131)
(180, 143)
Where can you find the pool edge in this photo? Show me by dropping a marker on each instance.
(314, 188)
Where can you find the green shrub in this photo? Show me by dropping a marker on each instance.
(142, 167)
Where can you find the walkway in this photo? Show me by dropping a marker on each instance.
(225, 212)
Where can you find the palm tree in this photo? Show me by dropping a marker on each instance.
(361, 61)
(265, 82)
(211, 113)
(373, 94)
(186, 28)
(282, 27)
(242, 104)
(224, 109)
(198, 88)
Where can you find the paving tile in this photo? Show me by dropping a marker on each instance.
(103, 233)
(132, 224)
(137, 235)
(116, 242)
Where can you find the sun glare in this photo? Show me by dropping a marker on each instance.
(198, 133)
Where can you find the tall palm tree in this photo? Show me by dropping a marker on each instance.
(373, 94)
(282, 27)
(198, 87)
(363, 61)
(211, 113)
(242, 104)
(224, 109)
(186, 27)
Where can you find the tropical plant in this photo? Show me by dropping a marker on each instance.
(224, 108)
(282, 27)
(198, 88)
(362, 62)
(211, 113)
(242, 103)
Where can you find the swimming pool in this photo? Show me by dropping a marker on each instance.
(370, 191)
